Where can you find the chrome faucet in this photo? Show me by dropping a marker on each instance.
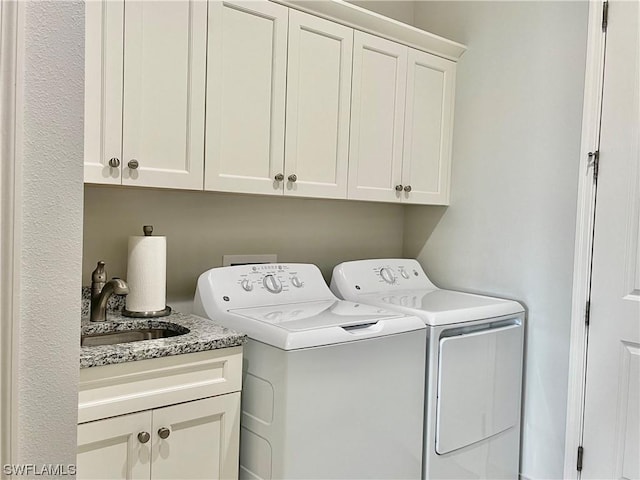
(101, 290)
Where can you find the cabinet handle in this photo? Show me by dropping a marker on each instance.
(279, 177)
(407, 188)
(164, 433)
(292, 178)
(398, 188)
(114, 162)
(143, 437)
(133, 164)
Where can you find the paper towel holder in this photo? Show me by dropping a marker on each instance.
(157, 313)
(148, 231)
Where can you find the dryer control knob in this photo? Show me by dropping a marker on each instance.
(272, 284)
(404, 274)
(387, 275)
(246, 285)
(296, 282)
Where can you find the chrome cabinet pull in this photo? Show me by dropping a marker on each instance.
(143, 437)
(292, 178)
(407, 188)
(164, 433)
(279, 177)
(133, 164)
(114, 162)
(398, 188)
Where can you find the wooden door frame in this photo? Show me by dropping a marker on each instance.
(591, 113)
(11, 48)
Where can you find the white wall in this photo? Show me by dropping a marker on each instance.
(201, 227)
(51, 232)
(510, 228)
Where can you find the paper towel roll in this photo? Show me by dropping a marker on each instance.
(147, 274)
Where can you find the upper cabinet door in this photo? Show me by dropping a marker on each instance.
(246, 80)
(318, 106)
(164, 93)
(428, 129)
(377, 117)
(103, 91)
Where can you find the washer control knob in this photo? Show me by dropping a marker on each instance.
(296, 282)
(272, 284)
(387, 275)
(404, 274)
(246, 285)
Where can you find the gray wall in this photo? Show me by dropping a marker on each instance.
(201, 227)
(401, 10)
(510, 228)
(51, 232)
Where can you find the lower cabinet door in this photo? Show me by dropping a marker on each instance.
(197, 439)
(115, 448)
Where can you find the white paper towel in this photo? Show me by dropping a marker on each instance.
(147, 274)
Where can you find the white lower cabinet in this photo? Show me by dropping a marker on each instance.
(179, 435)
(192, 440)
(111, 449)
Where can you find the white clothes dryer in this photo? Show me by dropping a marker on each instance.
(331, 389)
(474, 366)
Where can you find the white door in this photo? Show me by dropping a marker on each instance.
(377, 118)
(104, 36)
(197, 439)
(115, 448)
(164, 93)
(428, 128)
(318, 106)
(611, 439)
(246, 80)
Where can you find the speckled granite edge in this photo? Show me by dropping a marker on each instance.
(203, 335)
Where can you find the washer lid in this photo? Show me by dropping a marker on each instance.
(444, 307)
(311, 324)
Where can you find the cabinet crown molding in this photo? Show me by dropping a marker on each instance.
(365, 20)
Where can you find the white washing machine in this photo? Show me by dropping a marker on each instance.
(331, 389)
(474, 366)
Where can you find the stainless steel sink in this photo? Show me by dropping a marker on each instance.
(126, 336)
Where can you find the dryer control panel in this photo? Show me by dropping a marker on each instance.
(244, 286)
(378, 275)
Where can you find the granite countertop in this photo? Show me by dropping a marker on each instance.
(203, 334)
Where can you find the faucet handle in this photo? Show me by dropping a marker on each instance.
(99, 275)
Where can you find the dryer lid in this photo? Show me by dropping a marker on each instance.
(444, 307)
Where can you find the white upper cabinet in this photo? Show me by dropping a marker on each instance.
(104, 37)
(144, 93)
(377, 118)
(246, 81)
(318, 107)
(164, 93)
(428, 127)
(252, 96)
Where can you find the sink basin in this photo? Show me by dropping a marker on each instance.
(127, 336)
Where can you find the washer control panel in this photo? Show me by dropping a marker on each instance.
(265, 284)
(372, 276)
